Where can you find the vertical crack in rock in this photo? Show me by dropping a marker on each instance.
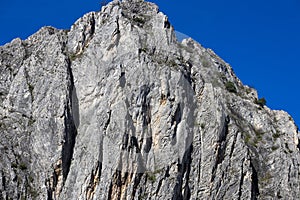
(136, 183)
(116, 186)
(167, 174)
(107, 121)
(134, 143)
(3, 181)
(183, 191)
(61, 168)
(115, 37)
(70, 128)
(89, 30)
(109, 194)
(144, 113)
(254, 183)
(55, 182)
(221, 147)
(176, 118)
(122, 78)
(187, 169)
(233, 145)
(148, 144)
(29, 85)
(120, 182)
(187, 74)
(125, 141)
(101, 143)
(241, 180)
(94, 181)
(167, 24)
(130, 128)
(144, 103)
(85, 29)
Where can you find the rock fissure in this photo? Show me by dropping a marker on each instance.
(254, 183)
(94, 181)
(175, 120)
(221, 147)
(241, 180)
(70, 132)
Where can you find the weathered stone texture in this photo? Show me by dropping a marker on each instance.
(117, 108)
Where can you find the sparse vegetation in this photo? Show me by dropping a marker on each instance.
(31, 88)
(139, 20)
(258, 136)
(72, 57)
(14, 165)
(33, 192)
(261, 102)
(247, 138)
(266, 178)
(151, 176)
(22, 166)
(31, 121)
(230, 87)
(202, 125)
(274, 148)
(276, 135)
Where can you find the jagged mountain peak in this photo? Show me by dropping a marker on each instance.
(118, 108)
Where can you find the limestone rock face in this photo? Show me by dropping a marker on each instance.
(117, 108)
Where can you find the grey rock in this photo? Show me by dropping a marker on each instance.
(117, 108)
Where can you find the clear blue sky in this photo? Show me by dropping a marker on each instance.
(259, 38)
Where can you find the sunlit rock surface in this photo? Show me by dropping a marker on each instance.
(118, 108)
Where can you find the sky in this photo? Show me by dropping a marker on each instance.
(260, 39)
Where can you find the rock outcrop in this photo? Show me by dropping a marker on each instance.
(117, 108)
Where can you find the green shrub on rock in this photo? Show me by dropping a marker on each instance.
(230, 87)
(261, 102)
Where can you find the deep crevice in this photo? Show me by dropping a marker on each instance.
(137, 181)
(254, 183)
(184, 169)
(167, 24)
(186, 71)
(3, 180)
(148, 144)
(241, 181)
(94, 181)
(61, 168)
(110, 191)
(233, 144)
(107, 121)
(115, 186)
(70, 128)
(125, 141)
(221, 148)
(176, 119)
(90, 32)
(144, 102)
(134, 143)
(167, 174)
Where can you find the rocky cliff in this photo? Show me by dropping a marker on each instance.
(117, 108)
